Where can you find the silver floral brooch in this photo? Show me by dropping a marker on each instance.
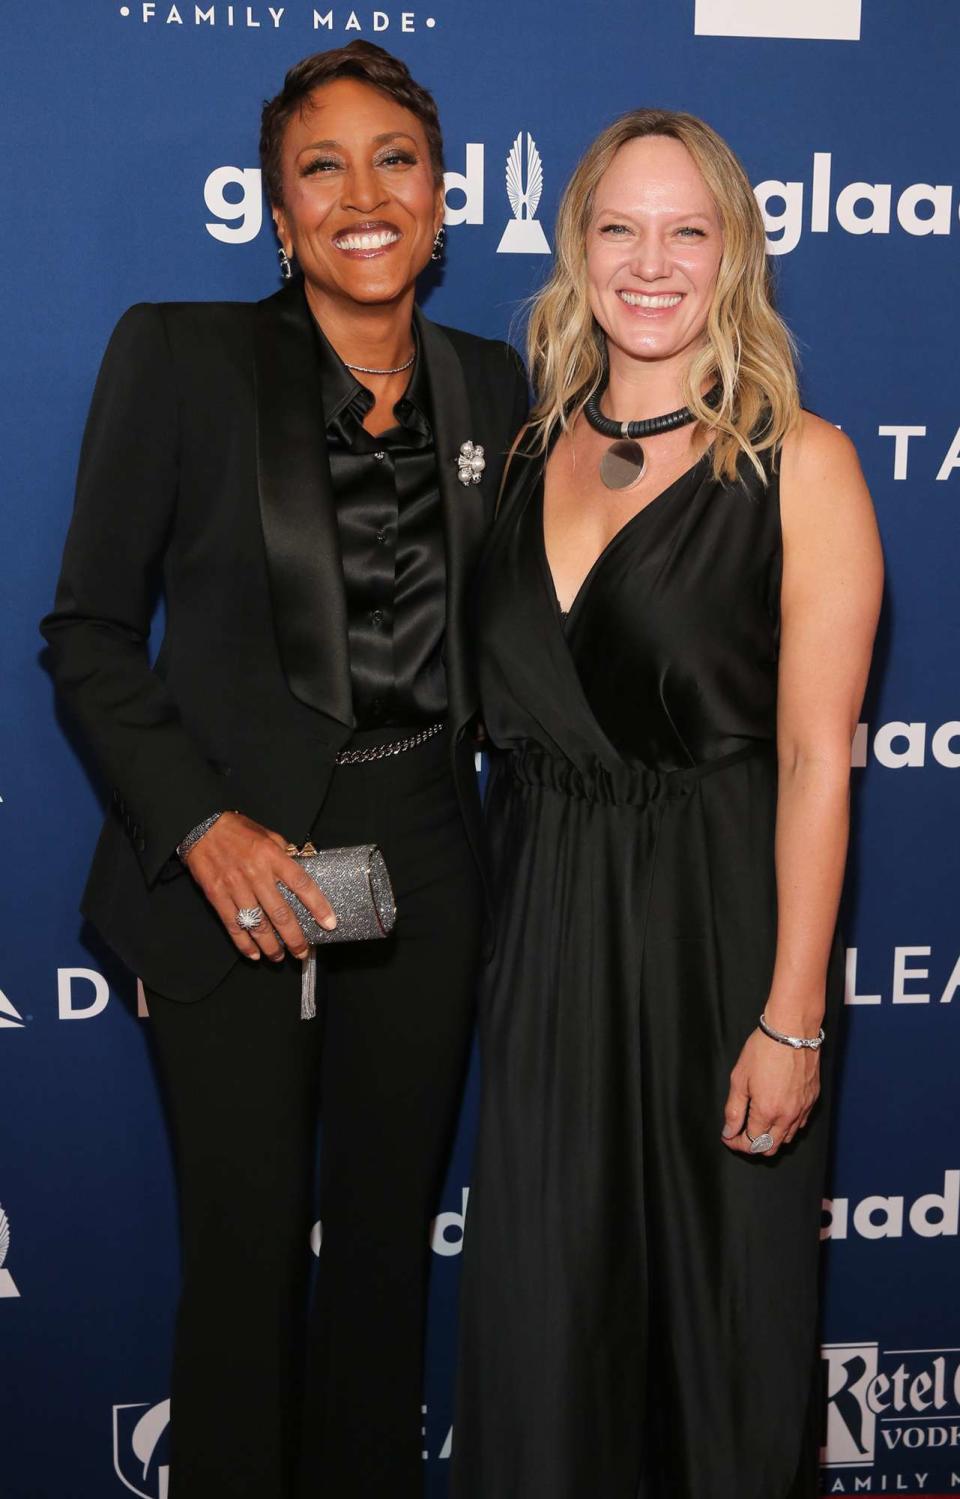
(470, 463)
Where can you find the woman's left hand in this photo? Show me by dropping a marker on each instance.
(772, 1091)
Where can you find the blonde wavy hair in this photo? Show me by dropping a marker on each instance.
(748, 350)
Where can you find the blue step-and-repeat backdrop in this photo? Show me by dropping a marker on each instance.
(130, 173)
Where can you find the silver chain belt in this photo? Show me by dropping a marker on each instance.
(395, 747)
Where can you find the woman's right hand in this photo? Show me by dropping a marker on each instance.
(237, 865)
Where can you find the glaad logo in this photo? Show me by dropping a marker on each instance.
(234, 199)
(7, 1286)
(935, 1215)
(820, 20)
(524, 234)
(138, 1448)
(446, 1230)
(243, 215)
(922, 208)
(881, 1402)
(898, 745)
(10, 1018)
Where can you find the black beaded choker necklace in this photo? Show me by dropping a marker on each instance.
(624, 463)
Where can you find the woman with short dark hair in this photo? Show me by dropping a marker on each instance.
(313, 476)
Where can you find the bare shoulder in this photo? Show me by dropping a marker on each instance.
(821, 481)
(830, 535)
(816, 452)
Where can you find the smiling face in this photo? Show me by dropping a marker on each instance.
(360, 206)
(654, 245)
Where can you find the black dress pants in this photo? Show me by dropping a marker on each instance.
(266, 1402)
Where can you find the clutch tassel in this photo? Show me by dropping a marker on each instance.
(308, 985)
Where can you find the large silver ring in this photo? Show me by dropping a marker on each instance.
(761, 1143)
(249, 918)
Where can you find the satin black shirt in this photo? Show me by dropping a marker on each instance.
(392, 547)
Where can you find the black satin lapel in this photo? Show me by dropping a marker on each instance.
(465, 507)
(297, 508)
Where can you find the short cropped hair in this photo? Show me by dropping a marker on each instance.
(368, 64)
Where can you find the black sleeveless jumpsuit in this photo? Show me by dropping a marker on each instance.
(639, 1305)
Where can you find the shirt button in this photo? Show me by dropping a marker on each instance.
(376, 616)
(379, 454)
(381, 537)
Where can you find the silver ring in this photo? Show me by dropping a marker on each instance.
(761, 1143)
(249, 918)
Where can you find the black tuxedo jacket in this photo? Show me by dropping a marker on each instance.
(204, 468)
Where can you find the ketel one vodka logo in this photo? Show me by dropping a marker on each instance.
(7, 1286)
(139, 1448)
(883, 1405)
(524, 233)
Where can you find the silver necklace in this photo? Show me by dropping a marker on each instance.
(624, 463)
(365, 369)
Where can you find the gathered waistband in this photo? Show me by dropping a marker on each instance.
(632, 784)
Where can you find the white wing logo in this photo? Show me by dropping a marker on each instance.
(524, 234)
(520, 199)
(7, 1285)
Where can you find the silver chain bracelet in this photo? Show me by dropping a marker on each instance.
(799, 1043)
(195, 834)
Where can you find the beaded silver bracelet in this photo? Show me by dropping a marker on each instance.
(195, 834)
(799, 1043)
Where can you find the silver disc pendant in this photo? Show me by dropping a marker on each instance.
(623, 464)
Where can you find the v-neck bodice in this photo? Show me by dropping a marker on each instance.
(622, 533)
(667, 655)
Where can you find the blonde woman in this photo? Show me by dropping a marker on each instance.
(676, 621)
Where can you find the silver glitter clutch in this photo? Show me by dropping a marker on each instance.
(357, 884)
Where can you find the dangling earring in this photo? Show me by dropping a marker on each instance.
(286, 269)
(441, 239)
